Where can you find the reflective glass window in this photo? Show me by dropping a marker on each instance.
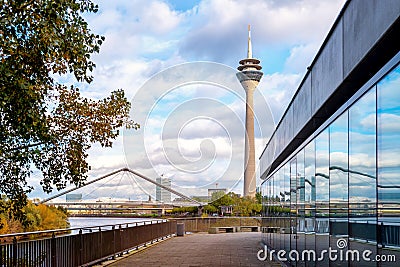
(300, 193)
(338, 178)
(293, 203)
(309, 198)
(388, 152)
(362, 172)
(322, 192)
(362, 156)
(285, 228)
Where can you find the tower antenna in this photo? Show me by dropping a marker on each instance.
(249, 48)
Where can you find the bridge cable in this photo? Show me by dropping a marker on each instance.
(118, 171)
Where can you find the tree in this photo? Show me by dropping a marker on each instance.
(217, 195)
(224, 200)
(41, 217)
(210, 209)
(259, 197)
(44, 123)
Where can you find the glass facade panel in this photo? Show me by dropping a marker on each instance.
(285, 229)
(293, 203)
(322, 192)
(388, 153)
(300, 193)
(338, 179)
(310, 195)
(362, 157)
(343, 184)
(362, 173)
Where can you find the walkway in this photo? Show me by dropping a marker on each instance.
(231, 249)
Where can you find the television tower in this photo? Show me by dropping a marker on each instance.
(249, 76)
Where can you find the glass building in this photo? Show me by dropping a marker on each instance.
(332, 167)
(163, 195)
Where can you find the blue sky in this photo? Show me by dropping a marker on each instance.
(144, 38)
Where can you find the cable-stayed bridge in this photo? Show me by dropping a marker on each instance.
(107, 185)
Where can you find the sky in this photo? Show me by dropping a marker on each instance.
(176, 61)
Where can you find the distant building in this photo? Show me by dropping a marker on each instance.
(226, 210)
(163, 195)
(211, 191)
(73, 197)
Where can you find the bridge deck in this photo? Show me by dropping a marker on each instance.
(231, 249)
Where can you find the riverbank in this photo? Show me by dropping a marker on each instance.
(116, 215)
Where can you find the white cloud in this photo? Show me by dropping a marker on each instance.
(159, 18)
(278, 90)
(300, 57)
(219, 25)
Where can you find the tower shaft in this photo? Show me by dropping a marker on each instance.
(249, 159)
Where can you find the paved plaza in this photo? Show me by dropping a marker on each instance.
(227, 249)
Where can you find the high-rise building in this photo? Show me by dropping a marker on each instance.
(163, 195)
(249, 76)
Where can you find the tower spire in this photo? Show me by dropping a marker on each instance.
(249, 48)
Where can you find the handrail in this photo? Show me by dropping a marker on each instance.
(83, 249)
(80, 228)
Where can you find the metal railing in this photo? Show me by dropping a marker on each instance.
(89, 246)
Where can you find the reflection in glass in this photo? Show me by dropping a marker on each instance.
(322, 177)
(362, 173)
(300, 185)
(389, 144)
(309, 197)
(293, 203)
(279, 180)
(362, 156)
(300, 193)
(285, 228)
(388, 154)
(322, 192)
(338, 179)
(334, 186)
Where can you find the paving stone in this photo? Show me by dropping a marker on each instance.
(230, 249)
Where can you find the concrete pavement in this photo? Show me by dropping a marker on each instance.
(230, 249)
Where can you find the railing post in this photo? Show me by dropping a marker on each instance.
(2, 252)
(379, 234)
(80, 247)
(113, 229)
(14, 262)
(151, 232)
(121, 246)
(101, 241)
(53, 250)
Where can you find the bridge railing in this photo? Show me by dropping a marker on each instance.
(89, 246)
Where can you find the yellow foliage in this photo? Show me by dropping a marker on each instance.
(40, 217)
